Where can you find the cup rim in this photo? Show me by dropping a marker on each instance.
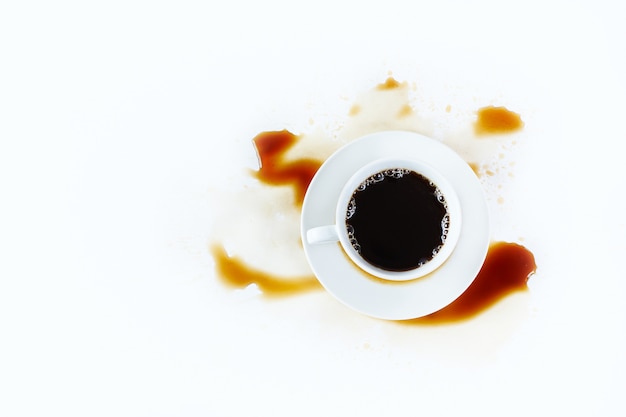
(426, 170)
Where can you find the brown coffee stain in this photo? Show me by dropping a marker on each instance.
(497, 120)
(389, 84)
(275, 170)
(506, 269)
(405, 111)
(475, 167)
(354, 110)
(235, 273)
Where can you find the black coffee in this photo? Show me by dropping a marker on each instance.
(397, 220)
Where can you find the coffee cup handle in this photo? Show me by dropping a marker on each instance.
(322, 234)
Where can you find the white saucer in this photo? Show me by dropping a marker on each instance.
(386, 299)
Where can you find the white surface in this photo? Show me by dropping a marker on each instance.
(118, 120)
(400, 300)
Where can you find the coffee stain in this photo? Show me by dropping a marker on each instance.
(354, 110)
(497, 120)
(405, 111)
(506, 270)
(389, 84)
(507, 266)
(475, 167)
(386, 106)
(275, 170)
(235, 273)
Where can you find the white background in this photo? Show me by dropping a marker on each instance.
(120, 120)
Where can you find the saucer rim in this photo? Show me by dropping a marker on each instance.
(395, 300)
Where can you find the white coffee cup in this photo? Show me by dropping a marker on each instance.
(338, 232)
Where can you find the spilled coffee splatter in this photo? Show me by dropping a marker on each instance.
(389, 84)
(497, 120)
(507, 266)
(237, 274)
(506, 270)
(276, 170)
